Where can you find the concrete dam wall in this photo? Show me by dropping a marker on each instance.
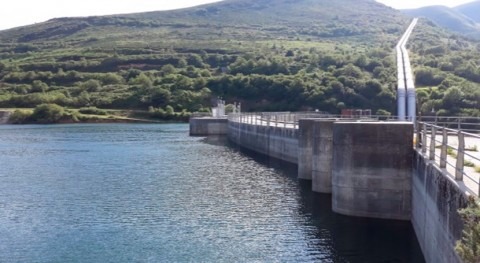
(277, 142)
(208, 126)
(436, 198)
(371, 170)
(366, 166)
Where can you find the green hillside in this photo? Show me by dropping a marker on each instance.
(271, 55)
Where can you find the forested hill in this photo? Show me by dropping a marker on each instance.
(268, 54)
(239, 19)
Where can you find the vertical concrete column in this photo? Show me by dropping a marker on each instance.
(322, 156)
(372, 169)
(305, 148)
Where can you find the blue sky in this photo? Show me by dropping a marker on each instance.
(23, 12)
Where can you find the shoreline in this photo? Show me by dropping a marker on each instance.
(126, 116)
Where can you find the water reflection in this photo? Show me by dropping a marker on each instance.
(341, 238)
(151, 193)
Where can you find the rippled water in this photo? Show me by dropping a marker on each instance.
(150, 193)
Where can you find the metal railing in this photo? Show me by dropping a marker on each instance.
(291, 119)
(451, 149)
(275, 119)
(467, 124)
(202, 115)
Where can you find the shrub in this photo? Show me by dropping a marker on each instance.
(382, 112)
(468, 248)
(92, 110)
(91, 85)
(20, 116)
(48, 113)
(468, 163)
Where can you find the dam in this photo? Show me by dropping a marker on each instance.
(374, 169)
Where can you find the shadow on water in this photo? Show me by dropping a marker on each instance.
(350, 239)
(360, 239)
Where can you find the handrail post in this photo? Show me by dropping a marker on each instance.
(432, 143)
(424, 139)
(460, 157)
(268, 120)
(443, 154)
(419, 133)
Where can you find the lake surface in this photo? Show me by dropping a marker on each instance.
(151, 193)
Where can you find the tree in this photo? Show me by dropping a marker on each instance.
(168, 69)
(91, 85)
(142, 80)
(169, 110)
(111, 79)
(452, 99)
(39, 86)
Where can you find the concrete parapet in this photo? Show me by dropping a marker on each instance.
(372, 168)
(208, 126)
(322, 156)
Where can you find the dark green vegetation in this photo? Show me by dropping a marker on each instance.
(469, 247)
(463, 19)
(271, 55)
(52, 113)
(446, 72)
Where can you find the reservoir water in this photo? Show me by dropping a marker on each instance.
(151, 193)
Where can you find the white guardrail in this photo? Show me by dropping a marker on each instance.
(290, 119)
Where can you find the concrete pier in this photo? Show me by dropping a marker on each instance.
(4, 116)
(372, 169)
(208, 126)
(322, 156)
(305, 148)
